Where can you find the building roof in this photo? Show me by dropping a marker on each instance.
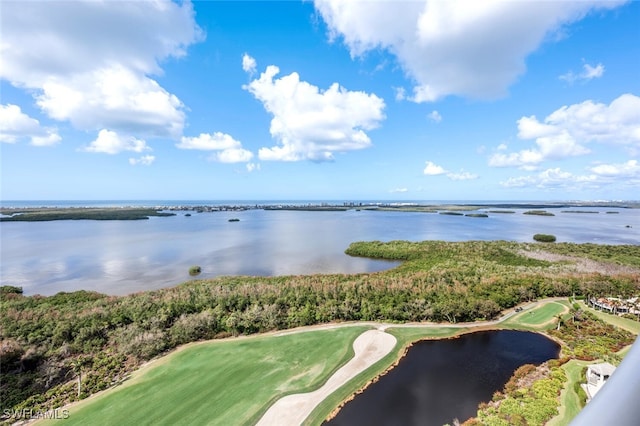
(603, 369)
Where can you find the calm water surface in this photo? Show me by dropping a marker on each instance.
(440, 380)
(120, 257)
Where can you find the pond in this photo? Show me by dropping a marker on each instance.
(442, 380)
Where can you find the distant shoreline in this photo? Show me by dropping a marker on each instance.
(44, 213)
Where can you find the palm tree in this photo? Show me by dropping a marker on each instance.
(559, 318)
(76, 366)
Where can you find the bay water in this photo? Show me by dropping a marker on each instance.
(122, 257)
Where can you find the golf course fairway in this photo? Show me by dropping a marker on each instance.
(221, 382)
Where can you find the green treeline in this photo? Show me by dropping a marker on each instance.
(46, 342)
(48, 214)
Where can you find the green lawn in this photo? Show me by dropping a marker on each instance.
(569, 401)
(224, 382)
(539, 318)
(624, 323)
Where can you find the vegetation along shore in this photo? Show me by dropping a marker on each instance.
(144, 212)
(58, 349)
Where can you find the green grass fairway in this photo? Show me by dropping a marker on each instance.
(225, 382)
(538, 318)
(569, 401)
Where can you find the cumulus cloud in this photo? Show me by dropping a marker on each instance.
(466, 47)
(312, 124)
(399, 190)
(234, 155)
(145, 160)
(432, 169)
(435, 116)
(565, 132)
(552, 179)
(230, 150)
(248, 64)
(110, 142)
(90, 62)
(462, 175)
(597, 177)
(16, 125)
(628, 170)
(588, 73)
(253, 167)
(209, 142)
(401, 93)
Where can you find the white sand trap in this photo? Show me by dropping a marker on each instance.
(370, 347)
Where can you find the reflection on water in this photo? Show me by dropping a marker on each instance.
(440, 380)
(119, 257)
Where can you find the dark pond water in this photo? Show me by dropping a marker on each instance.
(440, 380)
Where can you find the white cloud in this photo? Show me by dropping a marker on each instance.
(248, 64)
(588, 73)
(16, 125)
(89, 62)
(435, 116)
(553, 179)
(432, 169)
(116, 98)
(628, 170)
(601, 176)
(401, 93)
(145, 160)
(467, 47)
(462, 175)
(230, 150)
(234, 155)
(209, 142)
(110, 142)
(399, 190)
(566, 131)
(253, 167)
(313, 124)
(592, 72)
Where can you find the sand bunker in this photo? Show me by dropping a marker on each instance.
(370, 347)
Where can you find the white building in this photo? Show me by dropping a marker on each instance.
(597, 375)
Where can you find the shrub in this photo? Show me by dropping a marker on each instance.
(195, 270)
(545, 238)
(9, 289)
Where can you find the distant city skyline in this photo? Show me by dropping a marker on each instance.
(320, 100)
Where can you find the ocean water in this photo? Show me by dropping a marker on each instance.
(121, 257)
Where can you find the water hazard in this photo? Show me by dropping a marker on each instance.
(441, 380)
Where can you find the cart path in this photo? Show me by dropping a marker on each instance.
(370, 347)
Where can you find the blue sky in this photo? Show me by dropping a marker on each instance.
(326, 100)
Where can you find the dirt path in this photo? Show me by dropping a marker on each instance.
(370, 347)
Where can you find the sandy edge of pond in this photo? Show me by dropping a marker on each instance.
(370, 347)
